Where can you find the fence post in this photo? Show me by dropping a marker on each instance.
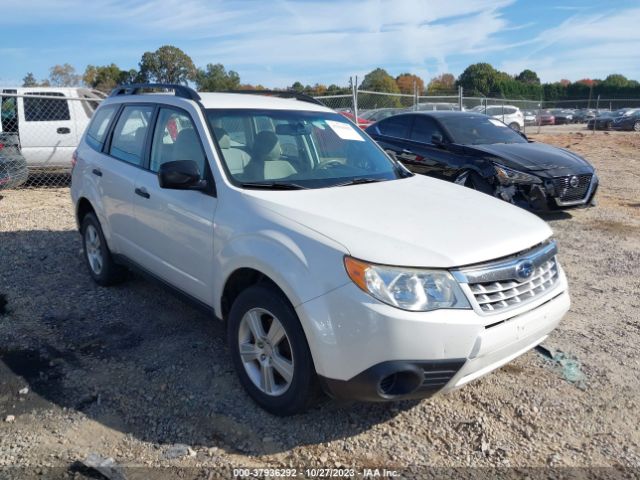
(355, 101)
(460, 97)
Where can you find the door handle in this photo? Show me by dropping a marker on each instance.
(142, 192)
(97, 172)
(63, 130)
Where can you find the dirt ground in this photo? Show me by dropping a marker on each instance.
(135, 374)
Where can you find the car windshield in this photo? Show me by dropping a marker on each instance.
(297, 149)
(478, 130)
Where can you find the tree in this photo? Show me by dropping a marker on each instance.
(406, 82)
(29, 80)
(479, 79)
(296, 87)
(379, 80)
(564, 82)
(63, 76)
(105, 78)
(443, 83)
(215, 78)
(616, 80)
(528, 76)
(168, 64)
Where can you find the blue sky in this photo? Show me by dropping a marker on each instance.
(277, 42)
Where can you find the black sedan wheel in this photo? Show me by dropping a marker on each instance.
(636, 126)
(471, 179)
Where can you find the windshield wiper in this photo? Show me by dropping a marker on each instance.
(273, 185)
(358, 181)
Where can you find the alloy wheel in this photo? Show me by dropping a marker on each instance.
(265, 351)
(93, 249)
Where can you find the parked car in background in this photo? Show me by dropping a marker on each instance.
(360, 121)
(508, 114)
(380, 113)
(48, 125)
(627, 122)
(440, 106)
(562, 116)
(529, 117)
(583, 115)
(545, 117)
(602, 121)
(331, 265)
(482, 153)
(13, 166)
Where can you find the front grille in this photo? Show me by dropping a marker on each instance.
(496, 296)
(567, 193)
(509, 283)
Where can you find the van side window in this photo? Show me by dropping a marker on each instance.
(44, 109)
(97, 131)
(130, 133)
(175, 138)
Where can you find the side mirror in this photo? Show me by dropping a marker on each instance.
(437, 139)
(180, 175)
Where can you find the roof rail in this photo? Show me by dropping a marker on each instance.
(136, 88)
(281, 94)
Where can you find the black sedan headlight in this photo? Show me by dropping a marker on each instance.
(508, 176)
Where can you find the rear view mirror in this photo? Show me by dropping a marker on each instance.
(293, 129)
(180, 175)
(437, 139)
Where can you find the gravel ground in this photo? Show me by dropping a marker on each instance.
(130, 372)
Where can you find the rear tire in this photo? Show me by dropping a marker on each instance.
(100, 263)
(515, 126)
(636, 126)
(275, 367)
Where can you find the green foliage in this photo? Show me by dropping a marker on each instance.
(106, 78)
(379, 80)
(168, 64)
(63, 76)
(215, 78)
(29, 80)
(528, 76)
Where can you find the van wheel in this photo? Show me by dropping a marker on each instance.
(515, 126)
(270, 351)
(102, 268)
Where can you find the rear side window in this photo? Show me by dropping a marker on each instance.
(44, 109)
(423, 129)
(397, 126)
(97, 131)
(130, 133)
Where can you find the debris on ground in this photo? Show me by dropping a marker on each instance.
(179, 450)
(10, 419)
(24, 391)
(106, 467)
(571, 370)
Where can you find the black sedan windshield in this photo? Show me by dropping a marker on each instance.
(294, 149)
(479, 130)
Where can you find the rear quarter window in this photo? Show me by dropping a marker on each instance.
(44, 109)
(97, 131)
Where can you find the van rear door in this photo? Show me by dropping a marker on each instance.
(47, 131)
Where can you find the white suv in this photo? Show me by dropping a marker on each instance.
(330, 263)
(509, 114)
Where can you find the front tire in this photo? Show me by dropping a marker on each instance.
(270, 351)
(636, 126)
(515, 126)
(102, 267)
(473, 180)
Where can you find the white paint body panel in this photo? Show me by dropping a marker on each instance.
(299, 239)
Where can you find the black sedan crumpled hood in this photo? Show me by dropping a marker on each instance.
(540, 158)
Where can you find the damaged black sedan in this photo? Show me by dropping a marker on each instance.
(483, 153)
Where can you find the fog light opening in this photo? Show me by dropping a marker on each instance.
(399, 383)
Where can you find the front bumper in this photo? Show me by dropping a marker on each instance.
(365, 350)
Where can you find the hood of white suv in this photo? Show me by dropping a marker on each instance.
(416, 221)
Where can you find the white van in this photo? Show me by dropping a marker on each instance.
(49, 125)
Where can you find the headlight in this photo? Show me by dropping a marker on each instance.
(409, 289)
(507, 176)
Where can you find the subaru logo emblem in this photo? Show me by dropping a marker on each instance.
(524, 269)
(574, 181)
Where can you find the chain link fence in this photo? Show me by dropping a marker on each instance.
(41, 127)
(39, 130)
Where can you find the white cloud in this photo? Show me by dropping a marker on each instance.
(584, 46)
